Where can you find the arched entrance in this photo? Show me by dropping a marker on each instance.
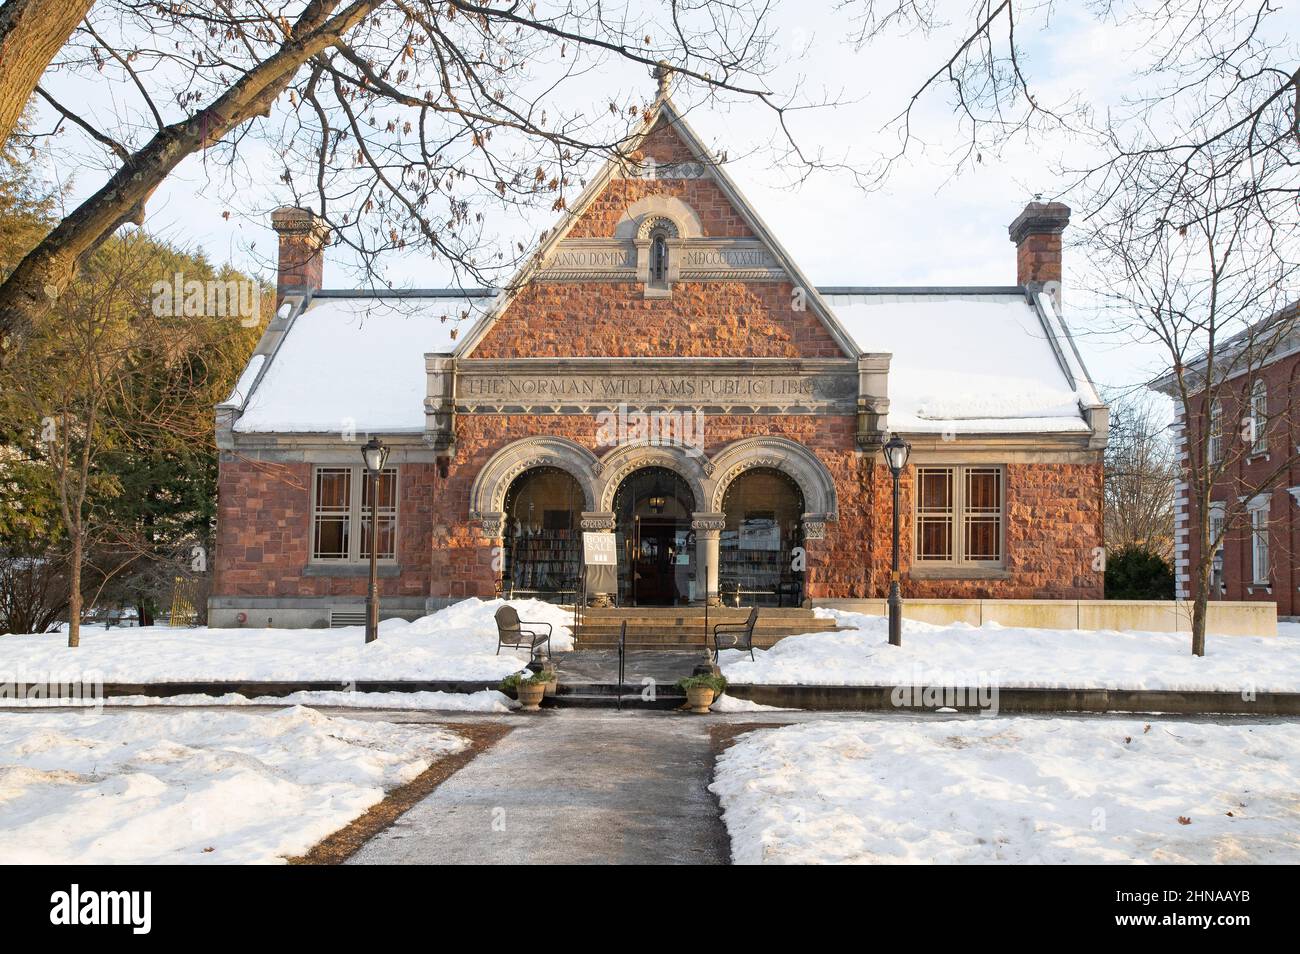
(543, 543)
(652, 513)
(761, 545)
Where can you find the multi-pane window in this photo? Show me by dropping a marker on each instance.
(1215, 442)
(959, 515)
(341, 514)
(1259, 542)
(1216, 530)
(333, 514)
(1259, 418)
(386, 542)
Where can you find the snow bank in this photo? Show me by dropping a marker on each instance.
(458, 642)
(731, 704)
(1060, 791)
(993, 655)
(195, 787)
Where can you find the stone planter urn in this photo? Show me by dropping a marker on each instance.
(530, 695)
(551, 681)
(699, 698)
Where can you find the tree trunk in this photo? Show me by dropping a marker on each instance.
(143, 614)
(1200, 607)
(74, 595)
(31, 33)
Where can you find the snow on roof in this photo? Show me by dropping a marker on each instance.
(964, 363)
(355, 360)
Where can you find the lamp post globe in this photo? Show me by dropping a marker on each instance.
(375, 455)
(896, 451)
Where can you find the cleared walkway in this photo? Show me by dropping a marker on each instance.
(612, 789)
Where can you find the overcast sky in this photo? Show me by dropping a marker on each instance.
(925, 226)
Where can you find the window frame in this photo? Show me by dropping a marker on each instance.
(1259, 540)
(1217, 517)
(1214, 436)
(958, 515)
(1259, 417)
(355, 519)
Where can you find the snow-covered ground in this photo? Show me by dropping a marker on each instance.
(195, 787)
(458, 642)
(1060, 791)
(993, 655)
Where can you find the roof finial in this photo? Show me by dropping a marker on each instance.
(663, 73)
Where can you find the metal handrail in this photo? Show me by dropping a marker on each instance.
(622, 656)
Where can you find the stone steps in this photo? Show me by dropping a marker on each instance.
(610, 696)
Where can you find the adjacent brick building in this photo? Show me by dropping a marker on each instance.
(661, 372)
(1247, 435)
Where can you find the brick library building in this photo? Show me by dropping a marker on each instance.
(661, 371)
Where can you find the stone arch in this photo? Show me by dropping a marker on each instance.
(617, 465)
(658, 223)
(821, 504)
(656, 207)
(487, 495)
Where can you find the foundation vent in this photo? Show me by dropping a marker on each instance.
(347, 616)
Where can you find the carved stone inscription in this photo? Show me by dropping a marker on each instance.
(816, 389)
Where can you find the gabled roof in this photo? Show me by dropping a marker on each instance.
(662, 110)
(970, 360)
(355, 358)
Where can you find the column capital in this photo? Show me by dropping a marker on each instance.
(596, 520)
(708, 522)
(492, 524)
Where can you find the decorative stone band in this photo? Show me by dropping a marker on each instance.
(664, 170)
(694, 259)
(631, 387)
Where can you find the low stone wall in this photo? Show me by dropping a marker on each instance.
(1154, 616)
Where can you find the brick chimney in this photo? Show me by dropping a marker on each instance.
(1037, 234)
(302, 236)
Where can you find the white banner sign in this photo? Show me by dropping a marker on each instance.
(598, 548)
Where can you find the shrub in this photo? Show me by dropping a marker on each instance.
(1135, 573)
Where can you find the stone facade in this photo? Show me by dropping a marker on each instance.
(714, 319)
(730, 333)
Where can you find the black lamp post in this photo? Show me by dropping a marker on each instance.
(896, 451)
(375, 454)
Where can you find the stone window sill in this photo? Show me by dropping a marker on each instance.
(959, 573)
(1262, 455)
(386, 570)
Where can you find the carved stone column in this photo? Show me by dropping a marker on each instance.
(814, 532)
(602, 581)
(493, 525)
(708, 534)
